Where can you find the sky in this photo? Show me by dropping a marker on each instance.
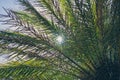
(10, 4)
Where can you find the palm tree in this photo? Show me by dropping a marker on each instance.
(63, 40)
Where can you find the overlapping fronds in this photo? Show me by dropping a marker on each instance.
(90, 33)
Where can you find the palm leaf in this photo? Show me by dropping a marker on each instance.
(91, 37)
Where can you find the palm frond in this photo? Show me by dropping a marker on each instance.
(89, 28)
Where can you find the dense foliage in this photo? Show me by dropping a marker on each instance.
(63, 40)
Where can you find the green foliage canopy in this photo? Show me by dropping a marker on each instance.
(90, 30)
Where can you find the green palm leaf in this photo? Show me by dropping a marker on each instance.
(89, 30)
